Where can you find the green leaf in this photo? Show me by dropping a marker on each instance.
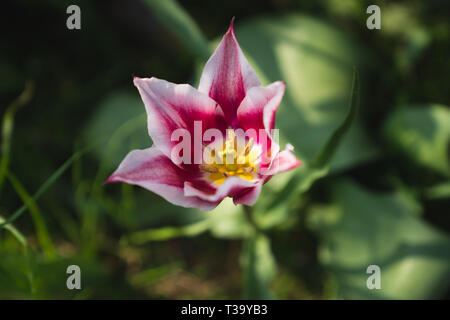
(226, 221)
(324, 158)
(363, 228)
(97, 280)
(440, 191)
(177, 20)
(259, 267)
(315, 60)
(404, 22)
(119, 123)
(274, 206)
(166, 233)
(18, 268)
(422, 134)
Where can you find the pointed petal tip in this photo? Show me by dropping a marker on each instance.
(136, 80)
(139, 82)
(231, 27)
(279, 85)
(111, 179)
(296, 163)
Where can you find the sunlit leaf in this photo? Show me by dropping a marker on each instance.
(440, 191)
(118, 123)
(422, 134)
(315, 59)
(275, 203)
(166, 233)
(362, 228)
(226, 221)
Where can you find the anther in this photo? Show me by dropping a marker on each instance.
(207, 168)
(248, 147)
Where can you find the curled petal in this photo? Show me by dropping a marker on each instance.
(258, 109)
(152, 170)
(170, 106)
(283, 161)
(227, 76)
(249, 197)
(231, 187)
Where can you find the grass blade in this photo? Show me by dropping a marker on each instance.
(44, 187)
(16, 233)
(326, 154)
(42, 233)
(8, 126)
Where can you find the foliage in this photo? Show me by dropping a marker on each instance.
(373, 187)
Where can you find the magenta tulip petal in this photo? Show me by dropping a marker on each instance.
(152, 170)
(211, 143)
(283, 161)
(170, 106)
(227, 76)
(257, 110)
(249, 198)
(232, 187)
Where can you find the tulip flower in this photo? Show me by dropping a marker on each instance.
(229, 100)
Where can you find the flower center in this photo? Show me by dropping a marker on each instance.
(236, 157)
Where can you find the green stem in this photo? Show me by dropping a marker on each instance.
(248, 211)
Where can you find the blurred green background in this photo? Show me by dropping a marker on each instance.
(382, 199)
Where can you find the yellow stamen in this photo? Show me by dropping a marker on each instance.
(207, 168)
(232, 160)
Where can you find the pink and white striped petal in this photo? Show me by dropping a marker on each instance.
(258, 109)
(249, 197)
(257, 112)
(227, 76)
(231, 187)
(283, 161)
(152, 170)
(172, 106)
